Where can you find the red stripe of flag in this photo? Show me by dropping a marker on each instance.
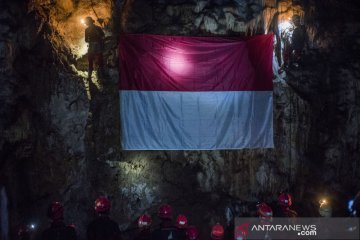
(178, 63)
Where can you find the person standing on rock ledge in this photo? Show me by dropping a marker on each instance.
(94, 36)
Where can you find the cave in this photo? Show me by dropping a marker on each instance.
(61, 133)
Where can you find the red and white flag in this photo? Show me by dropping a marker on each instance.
(195, 93)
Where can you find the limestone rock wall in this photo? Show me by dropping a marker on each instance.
(44, 111)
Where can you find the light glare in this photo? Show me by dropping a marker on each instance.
(178, 64)
(323, 202)
(350, 205)
(285, 26)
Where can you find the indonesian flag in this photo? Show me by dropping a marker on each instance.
(195, 93)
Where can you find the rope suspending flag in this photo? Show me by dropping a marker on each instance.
(195, 93)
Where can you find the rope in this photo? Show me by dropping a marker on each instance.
(97, 17)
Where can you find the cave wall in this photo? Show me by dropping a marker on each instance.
(60, 133)
(44, 111)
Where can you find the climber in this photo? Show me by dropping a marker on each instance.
(58, 229)
(166, 230)
(217, 232)
(103, 227)
(298, 41)
(192, 233)
(285, 201)
(94, 36)
(144, 224)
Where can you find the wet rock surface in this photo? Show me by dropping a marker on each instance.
(60, 135)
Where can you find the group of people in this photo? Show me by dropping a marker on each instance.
(104, 228)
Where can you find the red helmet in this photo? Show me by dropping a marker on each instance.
(56, 211)
(102, 204)
(181, 221)
(192, 233)
(165, 211)
(144, 221)
(217, 231)
(285, 200)
(264, 211)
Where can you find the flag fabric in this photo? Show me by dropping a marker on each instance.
(195, 93)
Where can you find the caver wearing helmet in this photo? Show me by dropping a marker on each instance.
(165, 212)
(102, 205)
(192, 233)
(144, 221)
(217, 232)
(295, 20)
(181, 221)
(103, 227)
(166, 230)
(264, 212)
(94, 36)
(144, 224)
(58, 229)
(89, 21)
(285, 201)
(182, 224)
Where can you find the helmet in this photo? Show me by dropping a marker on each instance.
(181, 221)
(295, 19)
(144, 221)
(165, 211)
(264, 211)
(285, 200)
(217, 231)
(192, 233)
(56, 211)
(88, 20)
(102, 204)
